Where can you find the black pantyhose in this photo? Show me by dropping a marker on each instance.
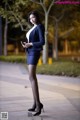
(34, 84)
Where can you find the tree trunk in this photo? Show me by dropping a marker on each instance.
(5, 31)
(45, 48)
(5, 36)
(0, 36)
(55, 44)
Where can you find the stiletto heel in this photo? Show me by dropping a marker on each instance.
(33, 108)
(38, 110)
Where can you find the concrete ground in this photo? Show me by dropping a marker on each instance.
(60, 95)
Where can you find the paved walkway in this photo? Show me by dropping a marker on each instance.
(60, 95)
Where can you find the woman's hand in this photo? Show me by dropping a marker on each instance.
(23, 45)
(26, 45)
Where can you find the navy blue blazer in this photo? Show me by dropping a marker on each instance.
(37, 38)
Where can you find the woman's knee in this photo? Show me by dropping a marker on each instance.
(32, 72)
(31, 77)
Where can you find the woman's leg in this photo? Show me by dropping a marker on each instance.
(34, 83)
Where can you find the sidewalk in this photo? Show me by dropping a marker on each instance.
(60, 95)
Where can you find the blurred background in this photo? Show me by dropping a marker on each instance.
(62, 28)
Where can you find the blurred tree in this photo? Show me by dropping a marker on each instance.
(11, 12)
(55, 41)
(63, 20)
(46, 5)
(0, 35)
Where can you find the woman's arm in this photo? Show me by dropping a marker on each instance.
(41, 37)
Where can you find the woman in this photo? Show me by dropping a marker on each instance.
(34, 46)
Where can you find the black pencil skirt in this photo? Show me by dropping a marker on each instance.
(33, 59)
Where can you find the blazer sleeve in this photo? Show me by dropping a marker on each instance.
(41, 37)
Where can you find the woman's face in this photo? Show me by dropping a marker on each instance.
(32, 19)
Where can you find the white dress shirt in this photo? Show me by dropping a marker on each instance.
(28, 33)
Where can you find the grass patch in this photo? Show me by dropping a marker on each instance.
(60, 67)
(16, 58)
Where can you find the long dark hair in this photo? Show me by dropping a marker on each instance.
(36, 14)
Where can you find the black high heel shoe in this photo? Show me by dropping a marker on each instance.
(33, 108)
(38, 110)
